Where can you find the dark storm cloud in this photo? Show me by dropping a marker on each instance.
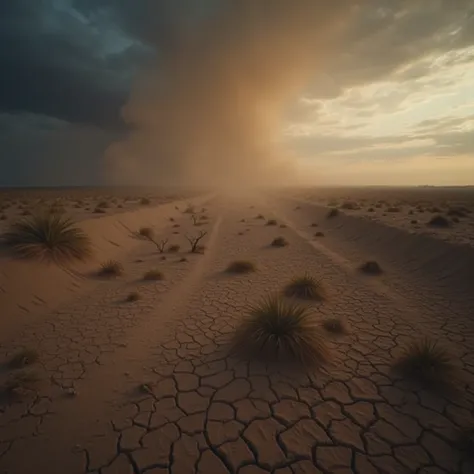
(56, 63)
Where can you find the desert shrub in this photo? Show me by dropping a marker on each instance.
(279, 242)
(271, 222)
(314, 224)
(98, 210)
(333, 213)
(145, 201)
(371, 268)
(22, 359)
(305, 287)
(174, 248)
(393, 209)
(283, 226)
(153, 275)
(241, 266)
(414, 221)
(260, 216)
(111, 268)
(146, 232)
(350, 205)
(48, 237)
(426, 362)
(133, 296)
(102, 205)
(439, 221)
(319, 234)
(279, 331)
(334, 326)
(370, 209)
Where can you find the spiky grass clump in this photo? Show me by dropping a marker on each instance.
(278, 331)
(146, 232)
(111, 268)
(371, 268)
(439, 221)
(279, 242)
(271, 222)
(333, 213)
(241, 266)
(335, 326)
(305, 287)
(49, 237)
(153, 275)
(425, 361)
(132, 297)
(22, 359)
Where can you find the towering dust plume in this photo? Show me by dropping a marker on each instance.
(211, 110)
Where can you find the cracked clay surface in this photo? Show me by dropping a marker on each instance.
(148, 387)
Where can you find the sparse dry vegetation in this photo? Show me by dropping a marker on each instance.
(111, 268)
(371, 268)
(271, 222)
(241, 266)
(194, 242)
(439, 221)
(50, 237)
(22, 359)
(279, 331)
(174, 248)
(133, 296)
(279, 242)
(153, 275)
(305, 287)
(426, 362)
(335, 326)
(333, 213)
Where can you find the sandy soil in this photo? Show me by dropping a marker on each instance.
(149, 386)
(80, 203)
(410, 209)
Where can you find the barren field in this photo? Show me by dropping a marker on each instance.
(410, 209)
(291, 340)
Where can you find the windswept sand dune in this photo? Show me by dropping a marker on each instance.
(29, 288)
(149, 386)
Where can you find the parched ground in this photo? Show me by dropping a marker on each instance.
(149, 387)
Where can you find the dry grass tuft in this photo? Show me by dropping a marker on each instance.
(371, 268)
(22, 359)
(133, 296)
(426, 362)
(111, 268)
(241, 266)
(278, 331)
(146, 232)
(439, 221)
(49, 237)
(335, 326)
(153, 275)
(279, 242)
(305, 287)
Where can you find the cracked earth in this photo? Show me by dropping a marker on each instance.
(149, 387)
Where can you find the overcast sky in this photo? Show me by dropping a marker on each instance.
(392, 103)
